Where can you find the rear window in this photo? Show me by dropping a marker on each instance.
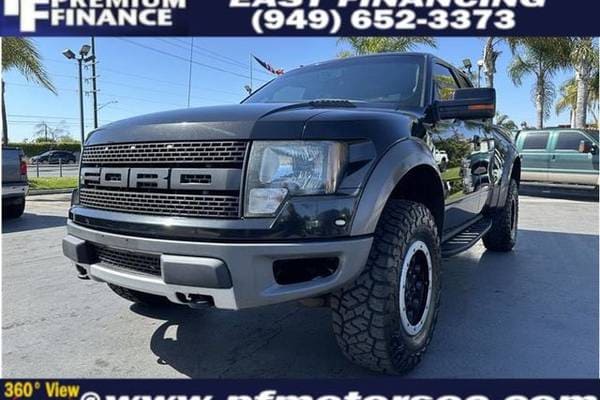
(570, 141)
(536, 141)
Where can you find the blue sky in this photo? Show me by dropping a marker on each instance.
(139, 75)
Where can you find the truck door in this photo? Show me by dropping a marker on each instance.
(467, 146)
(572, 159)
(535, 155)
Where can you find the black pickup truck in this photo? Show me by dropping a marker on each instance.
(322, 186)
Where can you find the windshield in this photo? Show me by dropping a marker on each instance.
(392, 80)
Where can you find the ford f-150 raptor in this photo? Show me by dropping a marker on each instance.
(322, 186)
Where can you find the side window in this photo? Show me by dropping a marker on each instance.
(570, 141)
(445, 83)
(464, 82)
(536, 141)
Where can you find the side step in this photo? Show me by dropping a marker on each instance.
(467, 238)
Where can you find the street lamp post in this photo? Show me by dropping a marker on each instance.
(81, 117)
(94, 83)
(81, 59)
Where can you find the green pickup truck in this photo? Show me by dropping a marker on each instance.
(559, 156)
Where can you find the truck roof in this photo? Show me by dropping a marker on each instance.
(558, 128)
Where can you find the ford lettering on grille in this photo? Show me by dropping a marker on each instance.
(186, 179)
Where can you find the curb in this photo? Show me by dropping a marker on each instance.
(43, 192)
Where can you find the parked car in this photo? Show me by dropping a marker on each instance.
(54, 157)
(14, 182)
(322, 186)
(559, 155)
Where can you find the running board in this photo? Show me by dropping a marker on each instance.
(467, 238)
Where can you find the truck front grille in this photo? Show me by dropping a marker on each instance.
(143, 263)
(175, 152)
(166, 204)
(203, 190)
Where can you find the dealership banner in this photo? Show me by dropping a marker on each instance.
(364, 389)
(300, 17)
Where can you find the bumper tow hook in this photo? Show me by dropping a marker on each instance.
(82, 273)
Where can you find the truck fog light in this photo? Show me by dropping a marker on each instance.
(266, 200)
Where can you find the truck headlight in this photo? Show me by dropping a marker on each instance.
(277, 170)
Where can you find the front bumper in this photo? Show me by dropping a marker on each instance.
(249, 266)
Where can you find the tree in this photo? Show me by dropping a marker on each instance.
(541, 58)
(490, 56)
(595, 95)
(370, 45)
(584, 59)
(22, 55)
(505, 122)
(568, 98)
(45, 133)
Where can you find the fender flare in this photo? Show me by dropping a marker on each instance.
(505, 180)
(400, 159)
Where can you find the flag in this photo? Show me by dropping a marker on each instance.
(268, 67)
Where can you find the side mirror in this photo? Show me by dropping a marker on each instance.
(588, 147)
(468, 104)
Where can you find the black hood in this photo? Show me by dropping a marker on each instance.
(233, 122)
(261, 122)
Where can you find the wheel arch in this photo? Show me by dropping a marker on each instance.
(515, 172)
(423, 185)
(407, 171)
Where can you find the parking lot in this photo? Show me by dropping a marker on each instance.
(529, 313)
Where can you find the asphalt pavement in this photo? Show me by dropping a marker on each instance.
(531, 313)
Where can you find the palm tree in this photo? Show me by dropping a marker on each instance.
(594, 99)
(542, 58)
(22, 55)
(370, 45)
(568, 97)
(584, 59)
(505, 122)
(490, 56)
(568, 100)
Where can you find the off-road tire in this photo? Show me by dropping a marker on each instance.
(14, 210)
(366, 314)
(502, 236)
(139, 297)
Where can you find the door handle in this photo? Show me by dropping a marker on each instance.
(553, 158)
